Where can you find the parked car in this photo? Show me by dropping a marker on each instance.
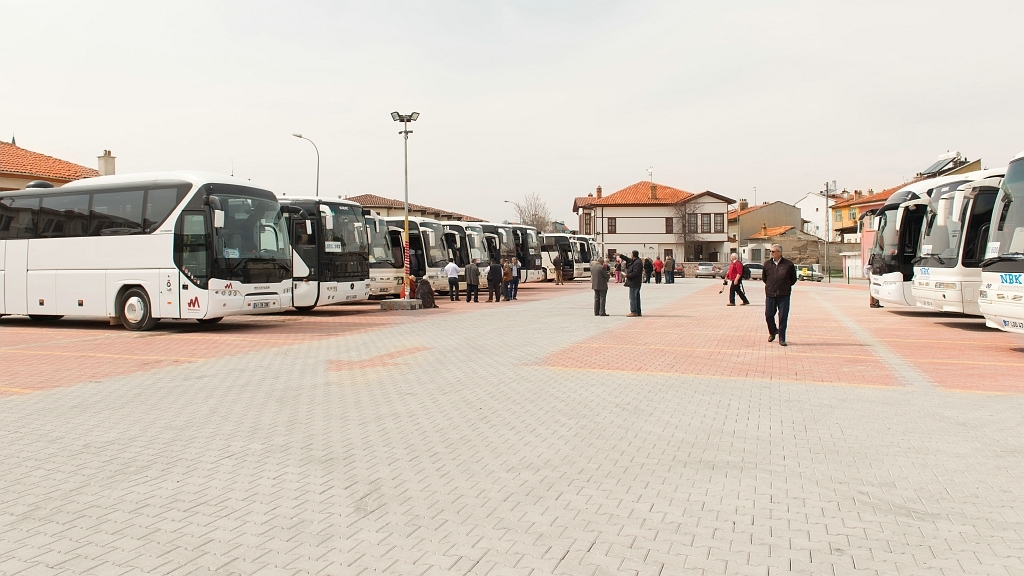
(753, 270)
(808, 274)
(706, 270)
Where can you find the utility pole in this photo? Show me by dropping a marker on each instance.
(405, 119)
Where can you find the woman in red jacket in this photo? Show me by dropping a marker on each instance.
(735, 277)
(658, 267)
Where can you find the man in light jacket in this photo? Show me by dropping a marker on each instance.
(473, 281)
(599, 282)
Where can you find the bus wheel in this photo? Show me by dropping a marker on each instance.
(209, 320)
(44, 317)
(136, 311)
(304, 309)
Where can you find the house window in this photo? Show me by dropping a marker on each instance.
(668, 253)
(586, 224)
(691, 223)
(719, 223)
(705, 223)
(853, 213)
(668, 225)
(839, 215)
(611, 225)
(698, 253)
(755, 254)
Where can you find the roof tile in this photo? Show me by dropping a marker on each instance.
(19, 161)
(639, 194)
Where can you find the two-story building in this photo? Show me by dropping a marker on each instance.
(815, 209)
(745, 220)
(657, 220)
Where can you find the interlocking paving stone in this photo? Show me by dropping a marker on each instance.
(529, 438)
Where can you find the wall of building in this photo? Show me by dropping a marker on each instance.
(816, 213)
(642, 228)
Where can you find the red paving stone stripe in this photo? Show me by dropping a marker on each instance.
(39, 357)
(957, 353)
(699, 336)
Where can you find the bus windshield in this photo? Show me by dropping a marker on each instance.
(886, 239)
(253, 245)
(381, 254)
(477, 244)
(432, 234)
(1007, 236)
(343, 229)
(532, 242)
(940, 240)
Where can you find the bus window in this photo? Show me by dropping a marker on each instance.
(64, 216)
(115, 213)
(18, 217)
(269, 239)
(192, 246)
(159, 204)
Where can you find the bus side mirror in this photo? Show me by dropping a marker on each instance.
(218, 218)
(376, 226)
(309, 227)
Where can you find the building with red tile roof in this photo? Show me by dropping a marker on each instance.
(389, 207)
(654, 219)
(768, 233)
(19, 166)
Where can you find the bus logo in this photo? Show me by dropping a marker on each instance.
(1011, 279)
(228, 286)
(925, 271)
(193, 303)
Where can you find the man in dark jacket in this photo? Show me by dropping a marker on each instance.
(494, 281)
(779, 276)
(473, 281)
(599, 282)
(634, 279)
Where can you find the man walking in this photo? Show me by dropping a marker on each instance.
(494, 282)
(473, 281)
(599, 282)
(670, 270)
(557, 264)
(452, 272)
(634, 279)
(514, 283)
(779, 276)
(735, 276)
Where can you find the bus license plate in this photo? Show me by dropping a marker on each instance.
(383, 289)
(926, 303)
(261, 305)
(351, 297)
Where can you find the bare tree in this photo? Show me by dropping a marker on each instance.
(533, 211)
(686, 226)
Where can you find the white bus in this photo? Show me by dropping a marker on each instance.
(558, 244)
(141, 247)
(583, 254)
(1001, 298)
(466, 241)
(330, 265)
(427, 253)
(387, 263)
(898, 237)
(527, 244)
(948, 276)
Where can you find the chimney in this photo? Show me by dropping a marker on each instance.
(654, 191)
(764, 230)
(743, 204)
(857, 194)
(598, 192)
(106, 163)
(845, 194)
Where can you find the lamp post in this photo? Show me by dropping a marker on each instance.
(519, 210)
(317, 161)
(405, 119)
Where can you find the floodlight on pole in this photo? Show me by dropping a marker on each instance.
(405, 119)
(317, 161)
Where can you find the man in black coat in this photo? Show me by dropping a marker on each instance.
(494, 282)
(779, 276)
(634, 279)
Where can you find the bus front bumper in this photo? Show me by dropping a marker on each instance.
(1003, 309)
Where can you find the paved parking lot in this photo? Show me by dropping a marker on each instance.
(523, 438)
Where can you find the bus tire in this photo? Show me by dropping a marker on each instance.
(135, 310)
(45, 317)
(209, 320)
(304, 309)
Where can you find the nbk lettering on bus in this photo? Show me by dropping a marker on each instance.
(1011, 279)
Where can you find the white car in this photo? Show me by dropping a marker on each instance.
(705, 270)
(755, 270)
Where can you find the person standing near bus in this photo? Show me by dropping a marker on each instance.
(599, 283)
(514, 283)
(557, 264)
(634, 279)
(473, 281)
(452, 272)
(658, 267)
(506, 279)
(494, 282)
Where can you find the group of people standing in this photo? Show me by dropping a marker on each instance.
(631, 270)
(651, 269)
(502, 280)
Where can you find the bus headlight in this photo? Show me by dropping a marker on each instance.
(982, 293)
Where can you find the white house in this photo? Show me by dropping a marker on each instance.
(657, 220)
(814, 210)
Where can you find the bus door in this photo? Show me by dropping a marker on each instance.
(193, 246)
(304, 263)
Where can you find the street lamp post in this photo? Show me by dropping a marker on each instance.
(317, 161)
(405, 119)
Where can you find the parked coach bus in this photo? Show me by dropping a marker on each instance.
(427, 254)
(465, 241)
(1001, 298)
(557, 244)
(140, 247)
(331, 259)
(531, 263)
(387, 265)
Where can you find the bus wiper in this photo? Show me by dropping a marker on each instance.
(918, 259)
(939, 258)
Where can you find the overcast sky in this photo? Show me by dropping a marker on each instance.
(518, 97)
